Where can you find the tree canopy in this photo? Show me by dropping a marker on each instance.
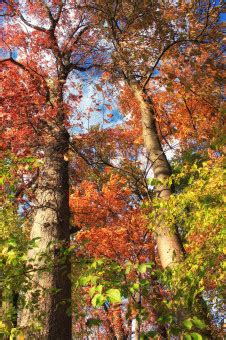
(112, 169)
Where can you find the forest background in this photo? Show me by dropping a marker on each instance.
(111, 169)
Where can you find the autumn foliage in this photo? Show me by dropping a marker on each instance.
(111, 157)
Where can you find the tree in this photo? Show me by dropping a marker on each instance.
(149, 55)
(112, 228)
(105, 203)
(143, 36)
(37, 66)
(131, 26)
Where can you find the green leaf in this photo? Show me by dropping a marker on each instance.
(98, 300)
(93, 279)
(136, 286)
(196, 336)
(187, 337)
(198, 323)
(142, 268)
(92, 291)
(114, 295)
(84, 280)
(149, 264)
(94, 265)
(99, 288)
(153, 181)
(187, 324)
(191, 180)
(13, 243)
(166, 318)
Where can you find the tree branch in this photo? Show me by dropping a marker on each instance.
(162, 54)
(30, 70)
(38, 28)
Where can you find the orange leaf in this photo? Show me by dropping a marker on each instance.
(109, 107)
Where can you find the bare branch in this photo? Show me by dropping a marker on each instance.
(162, 54)
(13, 61)
(72, 66)
(38, 28)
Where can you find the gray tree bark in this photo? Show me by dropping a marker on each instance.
(169, 246)
(51, 268)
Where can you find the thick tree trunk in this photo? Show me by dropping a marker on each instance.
(168, 242)
(49, 274)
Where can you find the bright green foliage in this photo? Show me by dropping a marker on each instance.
(14, 229)
(100, 276)
(197, 211)
(12, 264)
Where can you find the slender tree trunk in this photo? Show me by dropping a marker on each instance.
(169, 245)
(136, 332)
(170, 248)
(48, 299)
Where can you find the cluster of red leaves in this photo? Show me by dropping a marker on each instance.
(107, 218)
(19, 110)
(188, 106)
(112, 226)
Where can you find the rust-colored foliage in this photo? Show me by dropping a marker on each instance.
(168, 52)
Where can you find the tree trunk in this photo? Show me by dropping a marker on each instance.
(46, 313)
(137, 322)
(169, 245)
